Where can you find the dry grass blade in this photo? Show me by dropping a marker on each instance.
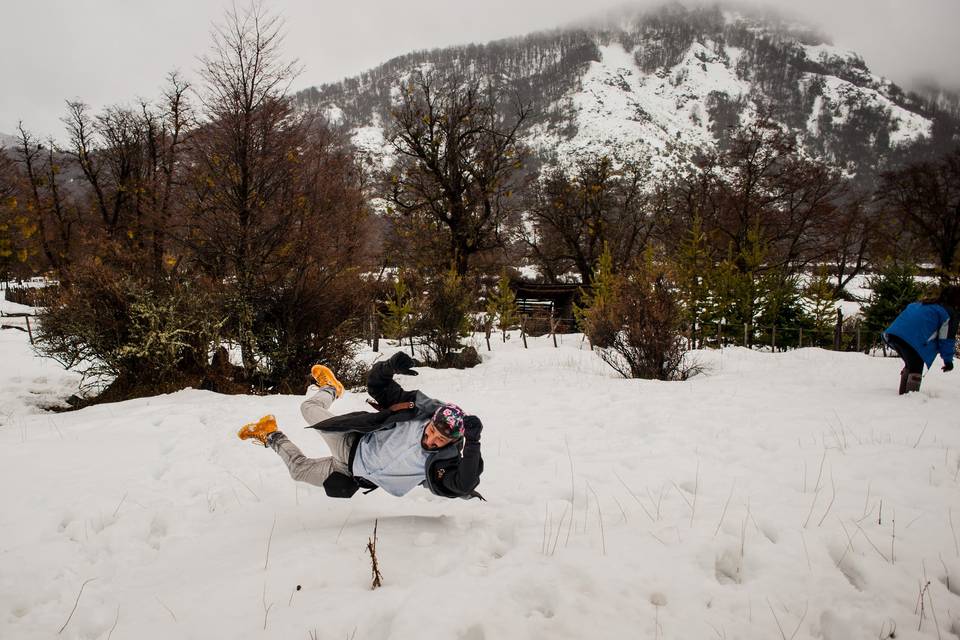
(725, 505)
(75, 603)
(634, 496)
(269, 542)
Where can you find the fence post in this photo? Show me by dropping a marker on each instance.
(487, 328)
(800, 339)
(523, 329)
(553, 328)
(773, 338)
(29, 332)
(376, 332)
(858, 335)
(745, 343)
(838, 330)
(719, 337)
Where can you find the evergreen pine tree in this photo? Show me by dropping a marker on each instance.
(398, 319)
(446, 318)
(502, 305)
(692, 267)
(593, 317)
(893, 289)
(821, 305)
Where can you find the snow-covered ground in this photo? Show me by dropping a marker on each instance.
(740, 503)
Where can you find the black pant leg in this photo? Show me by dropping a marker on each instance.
(909, 355)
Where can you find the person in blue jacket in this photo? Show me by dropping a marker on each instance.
(923, 330)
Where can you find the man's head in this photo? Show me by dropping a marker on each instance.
(445, 426)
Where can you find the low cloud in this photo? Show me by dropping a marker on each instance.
(113, 51)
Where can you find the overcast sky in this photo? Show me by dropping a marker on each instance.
(112, 51)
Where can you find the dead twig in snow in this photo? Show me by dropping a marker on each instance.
(374, 564)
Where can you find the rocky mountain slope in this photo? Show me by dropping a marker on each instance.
(653, 82)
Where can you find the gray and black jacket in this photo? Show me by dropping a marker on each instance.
(452, 472)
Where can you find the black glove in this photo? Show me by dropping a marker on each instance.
(947, 367)
(472, 428)
(401, 363)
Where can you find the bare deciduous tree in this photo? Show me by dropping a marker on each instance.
(459, 163)
(927, 195)
(245, 153)
(601, 202)
(49, 207)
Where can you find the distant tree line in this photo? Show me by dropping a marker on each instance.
(224, 238)
(214, 241)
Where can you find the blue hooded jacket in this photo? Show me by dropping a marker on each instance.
(928, 328)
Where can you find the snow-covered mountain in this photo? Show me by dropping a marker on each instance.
(650, 81)
(7, 140)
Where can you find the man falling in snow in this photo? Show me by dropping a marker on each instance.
(411, 440)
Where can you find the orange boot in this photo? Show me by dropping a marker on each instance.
(258, 430)
(325, 378)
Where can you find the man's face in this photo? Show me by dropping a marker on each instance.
(433, 439)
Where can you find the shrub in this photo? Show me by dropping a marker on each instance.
(446, 319)
(145, 337)
(634, 322)
(502, 305)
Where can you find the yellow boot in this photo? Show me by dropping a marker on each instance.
(258, 430)
(325, 378)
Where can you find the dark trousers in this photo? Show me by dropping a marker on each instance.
(911, 358)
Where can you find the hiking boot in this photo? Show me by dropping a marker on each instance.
(324, 378)
(903, 380)
(258, 430)
(913, 382)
